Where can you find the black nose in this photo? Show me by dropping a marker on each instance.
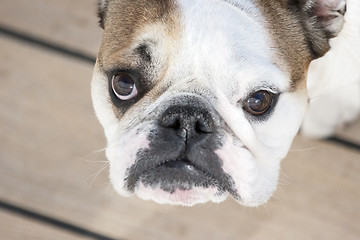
(188, 121)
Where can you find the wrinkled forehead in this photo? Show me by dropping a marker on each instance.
(229, 30)
(224, 32)
(201, 24)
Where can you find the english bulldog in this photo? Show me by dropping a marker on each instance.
(200, 99)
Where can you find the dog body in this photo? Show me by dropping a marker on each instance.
(334, 81)
(201, 99)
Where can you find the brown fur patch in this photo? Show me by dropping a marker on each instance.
(284, 24)
(125, 19)
(124, 22)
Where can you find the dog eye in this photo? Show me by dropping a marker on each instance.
(259, 102)
(124, 86)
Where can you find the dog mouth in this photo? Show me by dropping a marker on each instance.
(176, 174)
(173, 165)
(181, 163)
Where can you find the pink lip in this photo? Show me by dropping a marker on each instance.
(183, 197)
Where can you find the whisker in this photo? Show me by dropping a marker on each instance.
(94, 161)
(96, 152)
(266, 209)
(97, 174)
(284, 179)
(304, 149)
(283, 193)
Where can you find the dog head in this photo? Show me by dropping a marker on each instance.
(201, 99)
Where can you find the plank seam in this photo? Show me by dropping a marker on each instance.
(45, 44)
(344, 143)
(51, 221)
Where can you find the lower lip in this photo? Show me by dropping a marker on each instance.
(179, 197)
(180, 164)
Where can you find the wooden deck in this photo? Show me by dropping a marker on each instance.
(53, 172)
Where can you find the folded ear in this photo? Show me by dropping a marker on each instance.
(102, 7)
(323, 19)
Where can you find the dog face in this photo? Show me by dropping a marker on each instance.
(201, 99)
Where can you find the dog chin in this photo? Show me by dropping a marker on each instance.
(189, 198)
(247, 182)
(196, 195)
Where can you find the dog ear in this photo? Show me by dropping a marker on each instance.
(101, 11)
(322, 19)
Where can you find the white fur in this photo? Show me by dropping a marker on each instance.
(227, 51)
(334, 80)
(242, 63)
(196, 195)
(122, 154)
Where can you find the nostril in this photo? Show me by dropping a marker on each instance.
(202, 126)
(188, 122)
(171, 121)
(176, 124)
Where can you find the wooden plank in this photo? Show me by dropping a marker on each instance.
(68, 23)
(49, 131)
(13, 227)
(321, 187)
